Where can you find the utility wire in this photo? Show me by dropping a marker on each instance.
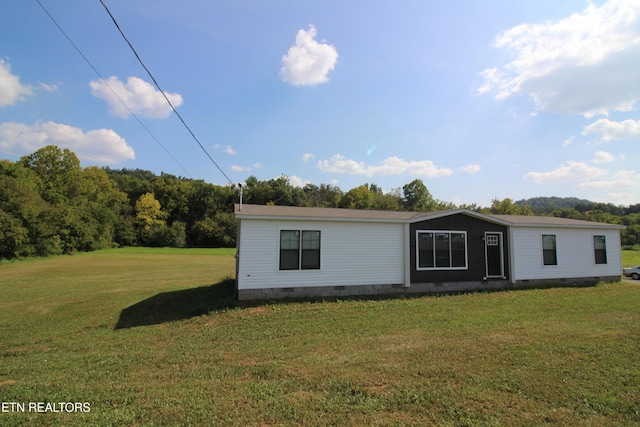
(163, 94)
(111, 89)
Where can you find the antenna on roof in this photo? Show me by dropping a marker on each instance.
(240, 187)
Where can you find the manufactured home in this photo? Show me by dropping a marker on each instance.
(292, 252)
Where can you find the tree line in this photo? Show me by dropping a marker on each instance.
(50, 205)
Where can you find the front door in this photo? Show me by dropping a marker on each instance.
(494, 260)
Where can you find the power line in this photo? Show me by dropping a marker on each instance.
(163, 94)
(110, 88)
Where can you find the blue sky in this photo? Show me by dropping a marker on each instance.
(479, 99)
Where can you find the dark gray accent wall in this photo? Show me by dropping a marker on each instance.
(475, 229)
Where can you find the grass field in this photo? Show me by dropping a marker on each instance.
(152, 337)
(630, 258)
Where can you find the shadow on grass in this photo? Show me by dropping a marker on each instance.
(187, 303)
(179, 305)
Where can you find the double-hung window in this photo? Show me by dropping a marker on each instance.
(549, 255)
(600, 249)
(441, 250)
(299, 250)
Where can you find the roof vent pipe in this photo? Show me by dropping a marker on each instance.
(240, 187)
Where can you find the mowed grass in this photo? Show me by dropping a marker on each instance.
(630, 258)
(152, 337)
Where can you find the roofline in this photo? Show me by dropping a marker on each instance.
(346, 218)
(441, 214)
(588, 224)
(322, 218)
(582, 223)
(424, 216)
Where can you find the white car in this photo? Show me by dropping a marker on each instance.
(633, 272)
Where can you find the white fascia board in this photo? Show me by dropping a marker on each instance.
(428, 216)
(595, 226)
(318, 218)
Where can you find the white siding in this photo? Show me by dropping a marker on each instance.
(351, 253)
(574, 250)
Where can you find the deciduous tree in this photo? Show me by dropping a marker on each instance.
(416, 197)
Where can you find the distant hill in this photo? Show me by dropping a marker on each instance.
(550, 203)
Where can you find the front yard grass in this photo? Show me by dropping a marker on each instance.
(151, 337)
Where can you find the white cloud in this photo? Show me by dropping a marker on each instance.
(307, 156)
(584, 64)
(141, 97)
(226, 148)
(11, 90)
(612, 130)
(568, 141)
(237, 168)
(296, 181)
(308, 62)
(621, 180)
(390, 166)
(566, 172)
(603, 157)
(471, 169)
(48, 87)
(625, 199)
(100, 145)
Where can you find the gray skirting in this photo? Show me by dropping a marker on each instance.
(415, 289)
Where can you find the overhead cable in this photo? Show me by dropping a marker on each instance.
(163, 94)
(110, 88)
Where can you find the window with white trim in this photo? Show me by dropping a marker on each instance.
(299, 250)
(441, 250)
(549, 255)
(492, 240)
(600, 249)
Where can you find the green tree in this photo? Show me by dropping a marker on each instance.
(631, 235)
(103, 204)
(417, 198)
(283, 193)
(174, 195)
(598, 215)
(216, 231)
(208, 199)
(59, 171)
(324, 196)
(150, 220)
(567, 213)
(133, 182)
(257, 192)
(278, 191)
(507, 207)
(24, 210)
(359, 197)
(149, 212)
(391, 201)
(13, 236)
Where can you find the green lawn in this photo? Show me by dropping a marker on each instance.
(630, 258)
(152, 337)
